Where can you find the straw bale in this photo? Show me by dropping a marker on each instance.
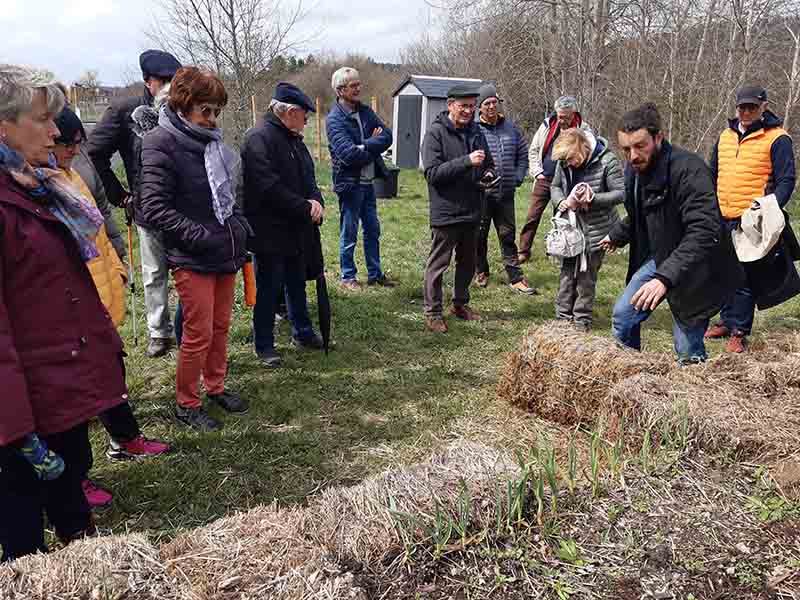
(104, 567)
(720, 415)
(264, 552)
(298, 553)
(355, 523)
(748, 402)
(561, 375)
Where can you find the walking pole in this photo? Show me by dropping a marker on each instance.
(131, 279)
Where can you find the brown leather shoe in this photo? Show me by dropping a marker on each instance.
(736, 343)
(523, 258)
(351, 285)
(716, 331)
(465, 312)
(482, 279)
(435, 324)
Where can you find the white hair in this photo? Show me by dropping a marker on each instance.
(281, 108)
(342, 77)
(18, 86)
(566, 103)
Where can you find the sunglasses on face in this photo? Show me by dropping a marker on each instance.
(207, 111)
(748, 107)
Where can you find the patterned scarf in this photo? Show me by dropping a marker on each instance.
(54, 190)
(220, 161)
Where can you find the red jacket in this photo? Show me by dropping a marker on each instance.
(60, 355)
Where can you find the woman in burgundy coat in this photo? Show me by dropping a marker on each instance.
(60, 355)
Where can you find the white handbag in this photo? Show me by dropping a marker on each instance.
(566, 239)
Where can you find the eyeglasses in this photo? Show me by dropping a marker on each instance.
(207, 111)
(353, 85)
(465, 108)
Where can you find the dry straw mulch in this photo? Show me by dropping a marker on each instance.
(267, 552)
(750, 402)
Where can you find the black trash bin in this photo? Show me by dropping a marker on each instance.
(387, 187)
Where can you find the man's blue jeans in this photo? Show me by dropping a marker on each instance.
(272, 272)
(739, 308)
(626, 322)
(359, 204)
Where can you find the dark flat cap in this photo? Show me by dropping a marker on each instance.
(291, 94)
(751, 94)
(157, 63)
(69, 126)
(463, 91)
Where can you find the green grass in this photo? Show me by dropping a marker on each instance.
(388, 391)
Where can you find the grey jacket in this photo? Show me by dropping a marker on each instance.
(603, 173)
(85, 168)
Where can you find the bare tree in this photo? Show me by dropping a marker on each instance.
(239, 39)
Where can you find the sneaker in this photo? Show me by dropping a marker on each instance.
(435, 324)
(523, 287)
(138, 447)
(97, 497)
(270, 359)
(311, 343)
(716, 331)
(482, 279)
(197, 418)
(465, 312)
(523, 258)
(382, 281)
(351, 285)
(230, 402)
(737, 343)
(158, 347)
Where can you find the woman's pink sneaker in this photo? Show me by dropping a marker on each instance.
(96, 497)
(138, 447)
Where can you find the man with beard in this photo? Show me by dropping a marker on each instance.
(679, 249)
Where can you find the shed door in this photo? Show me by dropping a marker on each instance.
(409, 126)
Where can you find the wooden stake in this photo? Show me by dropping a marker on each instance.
(374, 103)
(253, 108)
(319, 129)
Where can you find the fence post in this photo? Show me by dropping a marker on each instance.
(374, 103)
(319, 129)
(253, 108)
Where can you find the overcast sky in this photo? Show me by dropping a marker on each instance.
(70, 36)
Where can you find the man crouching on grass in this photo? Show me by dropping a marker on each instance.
(458, 166)
(679, 249)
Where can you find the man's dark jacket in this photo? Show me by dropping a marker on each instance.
(114, 133)
(176, 198)
(453, 190)
(277, 181)
(344, 139)
(694, 255)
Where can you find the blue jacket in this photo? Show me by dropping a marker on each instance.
(510, 152)
(347, 159)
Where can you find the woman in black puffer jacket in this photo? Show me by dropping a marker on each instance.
(187, 185)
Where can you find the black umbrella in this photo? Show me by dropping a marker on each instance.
(315, 270)
(324, 308)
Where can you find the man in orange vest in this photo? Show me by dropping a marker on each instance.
(753, 158)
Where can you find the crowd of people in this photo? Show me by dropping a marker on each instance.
(200, 208)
